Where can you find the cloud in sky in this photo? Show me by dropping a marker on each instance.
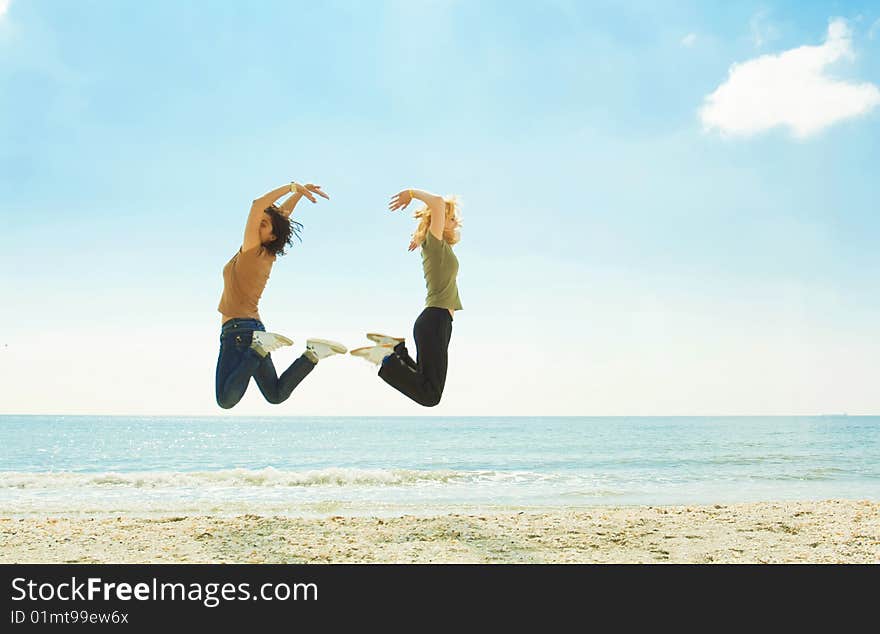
(4, 7)
(762, 30)
(789, 89)
(689, 40)
(875, 28)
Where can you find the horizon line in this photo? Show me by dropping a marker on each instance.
(281, 416)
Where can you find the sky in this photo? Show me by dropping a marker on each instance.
(669, 208)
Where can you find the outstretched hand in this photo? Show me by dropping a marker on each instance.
(400, 201)
(309, 190)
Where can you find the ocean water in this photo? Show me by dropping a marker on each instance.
(72, 465)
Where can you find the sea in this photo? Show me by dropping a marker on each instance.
(427, 465)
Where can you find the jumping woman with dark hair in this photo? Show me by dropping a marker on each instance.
(245, 346)
(423, 380)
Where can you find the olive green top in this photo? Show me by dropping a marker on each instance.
(441, 270)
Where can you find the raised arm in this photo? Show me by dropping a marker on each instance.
(435, 203)
(269, 199)
(308, 190)
(257, 215)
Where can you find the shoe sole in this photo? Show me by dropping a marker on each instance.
(374, 336)
(280, 342)
(361, 352)
(284, 341)
(338, 348)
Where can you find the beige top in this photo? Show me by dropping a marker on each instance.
(441, 272)
(244, 278)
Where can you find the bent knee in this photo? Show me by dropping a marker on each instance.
(274, 399)
(227, 403)
(432, 400)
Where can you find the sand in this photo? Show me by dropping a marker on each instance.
(832, 531)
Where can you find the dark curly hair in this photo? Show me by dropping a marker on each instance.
(284, 229)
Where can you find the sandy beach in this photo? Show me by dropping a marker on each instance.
(833, 531)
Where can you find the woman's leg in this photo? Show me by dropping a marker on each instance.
(401, 351)
(236, 364)
(277, 389)
(423, 383)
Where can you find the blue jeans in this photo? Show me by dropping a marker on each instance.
(238, 362)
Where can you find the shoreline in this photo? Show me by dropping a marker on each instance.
(829, 531)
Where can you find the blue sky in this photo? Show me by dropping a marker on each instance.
(618, 255)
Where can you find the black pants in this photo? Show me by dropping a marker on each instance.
(422, 380)
(238, 362)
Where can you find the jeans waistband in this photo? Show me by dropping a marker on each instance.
(241, 324)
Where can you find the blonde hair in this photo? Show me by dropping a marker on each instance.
(451, 233)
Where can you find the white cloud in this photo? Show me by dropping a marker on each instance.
(762, 30)
(875, 28)
(789, 89)
(4, 7)
(689, 40)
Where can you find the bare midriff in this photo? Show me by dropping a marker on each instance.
(225, 318)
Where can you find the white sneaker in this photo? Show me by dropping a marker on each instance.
(373, 354)
(384, 340)
(266, 342)
(322, 348)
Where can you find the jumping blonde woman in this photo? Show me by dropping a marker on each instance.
(245, 346)
(423, 380)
